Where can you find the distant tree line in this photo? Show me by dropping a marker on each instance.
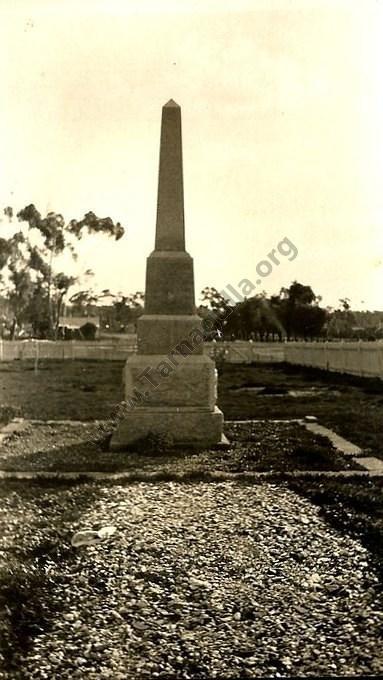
(293, 314)
(35, 293)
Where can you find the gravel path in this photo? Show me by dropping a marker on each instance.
(205, 580)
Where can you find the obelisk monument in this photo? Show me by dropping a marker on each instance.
(170, 385)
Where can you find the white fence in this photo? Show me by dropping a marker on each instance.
(43, 349)
(243, 352)
(234, 352)
(357, 358)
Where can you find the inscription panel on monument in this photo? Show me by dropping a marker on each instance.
(189, 384)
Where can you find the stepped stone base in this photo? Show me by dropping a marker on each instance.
(189, 427)
(176, 395)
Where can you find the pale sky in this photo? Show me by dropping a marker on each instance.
(282, 113)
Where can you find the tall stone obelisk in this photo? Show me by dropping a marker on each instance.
(170, 385)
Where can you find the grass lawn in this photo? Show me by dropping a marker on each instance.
(73, 390)
(90, 390)
(351, 406)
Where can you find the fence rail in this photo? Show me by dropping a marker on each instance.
(59, 350)
(244, 352)
(356, 358)
(234, 352)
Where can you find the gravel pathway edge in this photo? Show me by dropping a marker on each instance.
(197, 474)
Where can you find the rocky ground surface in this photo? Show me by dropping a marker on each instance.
(199, 580)
(254, 446)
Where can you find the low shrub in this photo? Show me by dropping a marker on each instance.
(7, 413)
(154, 443)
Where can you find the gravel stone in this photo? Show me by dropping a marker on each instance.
(201, 580)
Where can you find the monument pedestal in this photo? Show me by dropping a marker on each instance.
(187, 426)
(171, 393)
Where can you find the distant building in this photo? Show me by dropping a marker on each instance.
(69, 327)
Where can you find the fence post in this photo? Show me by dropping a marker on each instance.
(36, 356)
(326, 361)
(360, 358)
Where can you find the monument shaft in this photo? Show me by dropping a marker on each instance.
(177, 381)
(170, 226)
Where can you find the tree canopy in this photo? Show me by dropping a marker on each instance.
(293, 313)
(33, 288)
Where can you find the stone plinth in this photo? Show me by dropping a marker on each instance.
(163, 334)
(188, 427)
(173, 394)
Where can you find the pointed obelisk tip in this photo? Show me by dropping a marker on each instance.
(171, 104)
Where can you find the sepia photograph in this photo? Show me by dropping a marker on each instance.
(191, 339)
